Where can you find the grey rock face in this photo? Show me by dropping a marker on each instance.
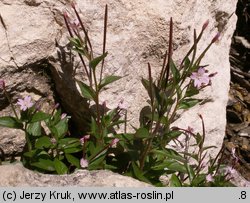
(18, 176)
(137, 34)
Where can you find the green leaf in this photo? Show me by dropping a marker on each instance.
(60, 129)
(39, 116)
(171, 164)
(31, 153)
(86, 91)
(78, 45)
(73, 160)
(108, 79)
(55, 119)
(198, 180)
(71, 150)
(186, 63)
(175, 72)
(70, 145)
(44, 164)
(75, 41)
(145, 83)
(175, 181)
(69, 141)
(60, 167)
(138, 173)
(142, 133)
(191, 91)
(97, 60)
(43, 142)
(169, 154)
(188, 103)
(10, 122)
(190, 171)
(97, 160)
(198, 138)
(172, 134)
(94, 128)
(35, 129)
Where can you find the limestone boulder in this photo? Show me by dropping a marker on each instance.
(33, 35)
(16, 175)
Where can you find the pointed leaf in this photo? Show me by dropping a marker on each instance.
(10, 122)
(175, 181)
(108, 79)
(73, 160)
(86, 90)
(97, 60)
(39, 116)
(35, 129)
(175, 72)
(186, 63)
(145, 83)
(138, 173)
(44, 164)
(191, 91)
(142, 133)
(190, 172)
(174, 165)
(188, 103)
(60, 167)
(43, 142)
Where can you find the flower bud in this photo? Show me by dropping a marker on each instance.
(114, 142)
(2, 84)
(63, 116)
(216, 37)
(65, 14)
(73, 4)
(84, 163)
(84, 139)
(205, 25)
(56, 105)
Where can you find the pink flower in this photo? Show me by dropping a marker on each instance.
(114, 142)
(74, 23)
(84, 163)
(25, 103)
(200, 78)
(64, 115)
(209, 178)
(2, 84)
(122, 105)
(84, 139)
(230, 170)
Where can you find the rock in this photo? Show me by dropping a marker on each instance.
(17, 176)
(239, 181)
(137, 34)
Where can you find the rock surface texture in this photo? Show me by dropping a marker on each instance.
(33, 43)
(17, 176)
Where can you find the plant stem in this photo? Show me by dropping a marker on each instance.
(148, 146)
(104, 39)
(97, 106)
(27, 138)
(11, 103)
